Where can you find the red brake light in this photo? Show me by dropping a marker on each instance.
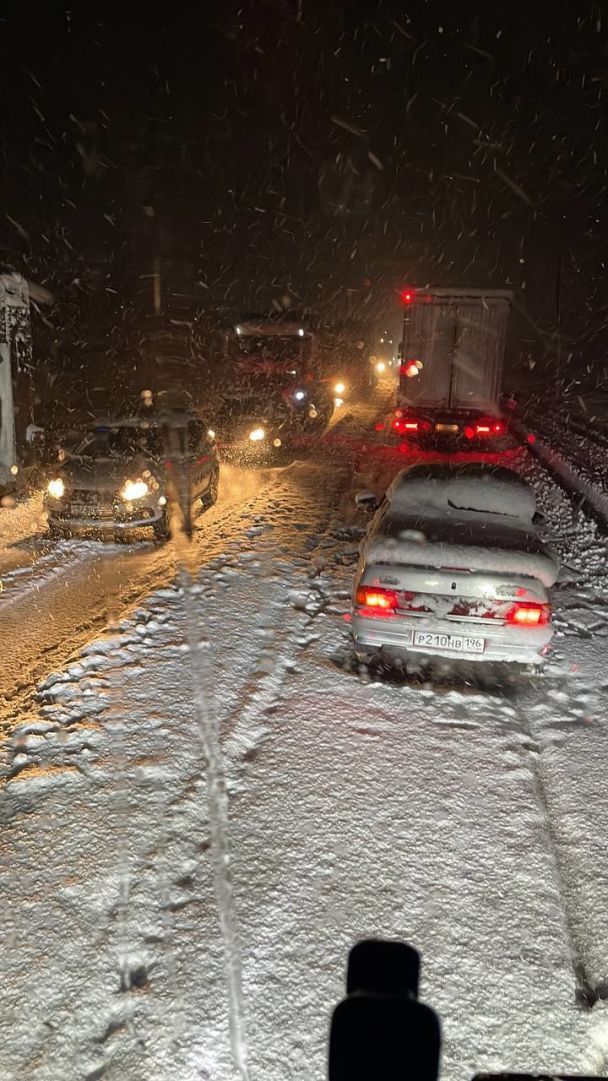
(407, 296)
(380, 601)
(525, 614)
(498, 428)
(411, 369)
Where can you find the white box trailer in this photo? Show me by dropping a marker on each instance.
(453, 350)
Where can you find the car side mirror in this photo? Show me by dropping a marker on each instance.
(367, 501)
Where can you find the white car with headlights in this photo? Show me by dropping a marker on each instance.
(124, 475)
(453, 566)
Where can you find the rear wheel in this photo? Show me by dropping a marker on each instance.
(210, 496)
(365, 656)
(162, 529)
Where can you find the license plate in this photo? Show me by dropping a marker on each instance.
(447, 428)
(457, 643)
(84, 510)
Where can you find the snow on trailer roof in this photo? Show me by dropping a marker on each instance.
(274, 330)
(458, 293)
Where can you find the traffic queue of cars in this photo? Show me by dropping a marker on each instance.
(452, 565)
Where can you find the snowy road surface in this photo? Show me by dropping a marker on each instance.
(466, 817)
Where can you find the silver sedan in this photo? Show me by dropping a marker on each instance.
(453, 566)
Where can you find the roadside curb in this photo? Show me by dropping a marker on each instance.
(594, 502)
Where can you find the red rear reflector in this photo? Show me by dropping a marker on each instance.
(531, 438)
(379, 600)
(529, 615)
(380, 426)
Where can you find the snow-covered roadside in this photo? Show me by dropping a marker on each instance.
(359, 808)
(582, 471)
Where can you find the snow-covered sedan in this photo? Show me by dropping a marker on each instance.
(126, 474)
(453, 566)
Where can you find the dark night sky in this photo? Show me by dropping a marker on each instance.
(309, 146)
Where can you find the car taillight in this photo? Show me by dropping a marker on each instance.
(411, 425)
(525, 614)
(377, 601)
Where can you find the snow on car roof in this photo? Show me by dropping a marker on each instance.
(474, 516)
(473, 488)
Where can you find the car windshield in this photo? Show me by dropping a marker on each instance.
(120, 442)
(303, 540)
(272, 347)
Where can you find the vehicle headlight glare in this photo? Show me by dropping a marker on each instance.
(339, 388)
(56, 488)
(257, 435)
(134, 489)
(299, 395)
(380, 366)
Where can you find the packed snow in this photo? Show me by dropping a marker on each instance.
(460, 813)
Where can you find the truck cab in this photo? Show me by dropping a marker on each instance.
(267, 384)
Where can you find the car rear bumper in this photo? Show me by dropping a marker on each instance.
(504, 643)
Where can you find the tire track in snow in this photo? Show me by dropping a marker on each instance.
(568, 528)
(296, 524)
(587, 990)
(67, 634)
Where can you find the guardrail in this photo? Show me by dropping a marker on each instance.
(592, 500)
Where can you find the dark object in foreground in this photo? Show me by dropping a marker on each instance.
(381, 1032)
